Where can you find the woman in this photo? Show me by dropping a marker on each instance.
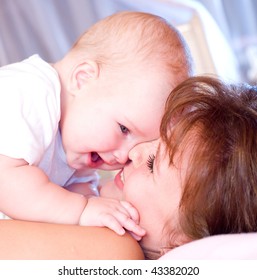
(198, 180)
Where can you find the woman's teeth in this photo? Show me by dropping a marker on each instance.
(122, 177)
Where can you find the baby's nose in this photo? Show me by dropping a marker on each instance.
(121, 156)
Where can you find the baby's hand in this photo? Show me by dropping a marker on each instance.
(114, 214)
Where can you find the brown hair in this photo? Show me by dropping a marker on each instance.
(126, 37)
(219, 123)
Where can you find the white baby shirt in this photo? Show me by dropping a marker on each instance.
(29, 119)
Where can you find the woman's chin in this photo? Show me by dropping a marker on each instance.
(110, 190)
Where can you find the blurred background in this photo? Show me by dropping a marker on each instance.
(222, 34)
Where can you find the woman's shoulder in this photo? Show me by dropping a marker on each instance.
(33, 240)
(113, 246)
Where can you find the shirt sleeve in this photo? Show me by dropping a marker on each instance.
(29, 113)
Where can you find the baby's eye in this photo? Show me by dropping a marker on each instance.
(123, 129)
(150, 162)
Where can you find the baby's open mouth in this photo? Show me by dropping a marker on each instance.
(96, 160)
(95, 157)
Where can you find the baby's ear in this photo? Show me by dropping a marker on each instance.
(82, 73)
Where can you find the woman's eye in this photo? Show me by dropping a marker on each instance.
(123, 129)
(150, 162)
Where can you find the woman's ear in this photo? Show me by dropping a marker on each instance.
(82, 74)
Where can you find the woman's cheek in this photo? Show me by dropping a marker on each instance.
(134, 193)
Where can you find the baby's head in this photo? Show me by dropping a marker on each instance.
(115, 81)
(138, 41)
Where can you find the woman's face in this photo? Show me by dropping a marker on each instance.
(152, 186)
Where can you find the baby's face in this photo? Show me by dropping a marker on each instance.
(111, 115)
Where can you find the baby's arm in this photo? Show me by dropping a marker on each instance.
(27, 194)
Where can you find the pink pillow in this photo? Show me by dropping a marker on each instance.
(229, 246)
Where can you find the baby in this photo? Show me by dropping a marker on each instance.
(60, 122)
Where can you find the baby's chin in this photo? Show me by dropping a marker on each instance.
(110, 190)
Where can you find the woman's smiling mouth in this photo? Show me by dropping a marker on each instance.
(119, 179)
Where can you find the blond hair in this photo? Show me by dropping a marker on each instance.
(136, 37)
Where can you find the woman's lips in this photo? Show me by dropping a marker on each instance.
(118, 180)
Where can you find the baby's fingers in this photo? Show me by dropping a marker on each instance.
(112, 223)
(130, 225)
(135, 236)
(131, 210)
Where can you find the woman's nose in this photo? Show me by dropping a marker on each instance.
(139, 154)
(135, 155)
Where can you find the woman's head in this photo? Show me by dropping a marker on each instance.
(199, 179)
(216, 124)
(153, 187)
